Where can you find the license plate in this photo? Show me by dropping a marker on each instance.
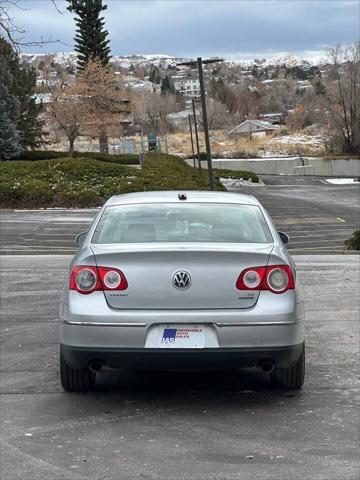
(187, 336)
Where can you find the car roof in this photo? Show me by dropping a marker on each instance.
(191, 196)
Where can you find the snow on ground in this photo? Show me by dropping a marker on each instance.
(272, 154)
(317, 140)
(265, 159)
(342, 181)
(239, 182)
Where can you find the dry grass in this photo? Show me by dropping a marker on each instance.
(221, 144)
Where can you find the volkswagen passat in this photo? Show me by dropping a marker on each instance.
(196, 280)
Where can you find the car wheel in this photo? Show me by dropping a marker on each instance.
(75, 380)
(290, 378)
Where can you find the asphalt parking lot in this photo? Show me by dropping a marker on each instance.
(318, 217)
(176, 426)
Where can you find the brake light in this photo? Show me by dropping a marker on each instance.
(276, 278)
(87, 279)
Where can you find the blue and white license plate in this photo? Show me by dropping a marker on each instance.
(182, 336)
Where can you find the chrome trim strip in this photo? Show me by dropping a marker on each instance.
(218, 324)
(104, 324)
(254, 324)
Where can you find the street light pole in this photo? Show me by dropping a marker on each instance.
(196, 135)
(192, 141)
(200, 62)
(206, 125)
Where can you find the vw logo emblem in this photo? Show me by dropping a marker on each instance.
(181, 279)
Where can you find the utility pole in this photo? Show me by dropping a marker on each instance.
(192, 141)
(196, 135)
(206, 125)
(142, 154)
(199, 63)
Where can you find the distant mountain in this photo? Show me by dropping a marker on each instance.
(276, 61)
(287, 60)
(68, 59)
(127, 62)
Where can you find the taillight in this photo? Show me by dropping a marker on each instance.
(112, 279)
(276, 278)
(85, 279)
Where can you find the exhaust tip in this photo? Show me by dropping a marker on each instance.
(96, 364)
(267, 365)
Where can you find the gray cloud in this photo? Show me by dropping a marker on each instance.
(235, 28)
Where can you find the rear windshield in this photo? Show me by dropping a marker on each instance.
(191, 222)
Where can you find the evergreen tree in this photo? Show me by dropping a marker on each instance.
(9, 115)
(255, 72)
(166, 86)
(319, 87)
(91, 41)
(154, 75)
(21, 83)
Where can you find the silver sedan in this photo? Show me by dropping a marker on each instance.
(184, 280)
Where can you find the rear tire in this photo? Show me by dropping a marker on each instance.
(75, 380)
(290, 378)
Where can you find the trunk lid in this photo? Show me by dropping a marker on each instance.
(149, 270)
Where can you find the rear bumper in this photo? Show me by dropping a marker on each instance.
(181, 359)
(272, 329)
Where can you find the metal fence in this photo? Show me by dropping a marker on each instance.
(116, 146)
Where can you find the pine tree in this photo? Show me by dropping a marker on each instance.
(154, 75)
(9, 115)
(166, 86)
(21, 83)
(91, 41)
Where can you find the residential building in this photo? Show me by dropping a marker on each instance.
(189, 86)
(254, 128)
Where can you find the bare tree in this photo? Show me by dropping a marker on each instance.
(342, 95)
(94, 106)
(218, 116)
(14, 32)
(152, 110)
(107, 101)
(68, 111)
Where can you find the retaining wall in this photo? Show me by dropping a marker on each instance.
(291, 166)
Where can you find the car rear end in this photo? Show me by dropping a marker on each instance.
(200, 282)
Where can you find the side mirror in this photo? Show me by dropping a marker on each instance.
(79, 239)
(284, 237)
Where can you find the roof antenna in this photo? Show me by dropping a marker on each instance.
(182, 196)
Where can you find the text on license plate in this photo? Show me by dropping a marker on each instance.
(183, 337)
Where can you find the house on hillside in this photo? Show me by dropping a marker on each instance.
(189, 86)
(254, 128)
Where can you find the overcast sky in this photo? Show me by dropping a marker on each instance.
(229, 28)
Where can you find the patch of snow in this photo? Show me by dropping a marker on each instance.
(317, 140)
(265, 159)
(42, 98)
(342, 181)
(239, 182)
(273, 153)
(179, 115)
(288, 60)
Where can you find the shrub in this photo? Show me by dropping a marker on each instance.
(86, 182)
(75, 182)
(203, 156)
(353, 243)
(168, 172)
(124, 159)
(34, 155)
